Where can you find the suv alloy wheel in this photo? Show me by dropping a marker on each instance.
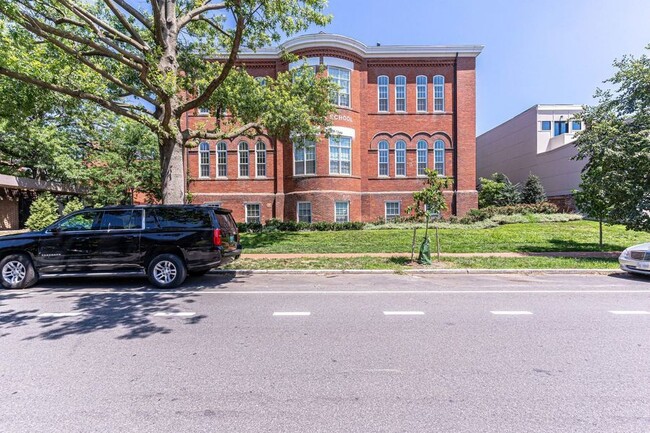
(17, 272)
(166, 271)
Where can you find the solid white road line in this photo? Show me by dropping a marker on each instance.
(403, 313)
(184, 314)
(511, 313)
(291, 313)
(60, 314)
(630, 312)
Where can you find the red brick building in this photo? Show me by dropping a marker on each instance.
(400, 109)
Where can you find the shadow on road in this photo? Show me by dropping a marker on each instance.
(101, 304)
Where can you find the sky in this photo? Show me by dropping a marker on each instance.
(536, 52)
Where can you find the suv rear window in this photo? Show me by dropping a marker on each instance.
(177, 218)
(226, 222)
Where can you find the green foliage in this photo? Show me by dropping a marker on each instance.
(482, 214)
(115, 55)
(498, 191)
(273, 225)
(43, 212)
(533, 190)
(124, 163)
(615, 184)
(72, 205)
(430, 201)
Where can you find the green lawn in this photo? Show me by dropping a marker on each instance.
(557, 236)
(401, 263)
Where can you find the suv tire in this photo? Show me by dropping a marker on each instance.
(17, 272)
(166, 271)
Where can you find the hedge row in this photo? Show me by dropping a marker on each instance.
(295, 226)
(476, 215)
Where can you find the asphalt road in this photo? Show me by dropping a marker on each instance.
(328, 353)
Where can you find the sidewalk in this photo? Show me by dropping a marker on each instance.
(571, 254)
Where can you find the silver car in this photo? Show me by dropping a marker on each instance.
(636, 259)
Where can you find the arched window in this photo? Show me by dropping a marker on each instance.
(383, 158)
(382, 93)
(243, 159)
(260, 159)
(222, 160)
(422, 157)
(400, 93)
(204, 159)
(439, 156)
(421, 82)
(439, 93)
(400, 158)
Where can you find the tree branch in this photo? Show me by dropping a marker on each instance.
(127, 25)
(80, 94)
(197, 102)
(207, 6)
(135, 14)
(189, 134)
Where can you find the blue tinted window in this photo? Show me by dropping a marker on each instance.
(576, 125)
(546, 125)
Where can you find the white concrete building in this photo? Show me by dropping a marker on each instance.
(537, 141)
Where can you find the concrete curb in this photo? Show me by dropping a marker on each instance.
(243, 272)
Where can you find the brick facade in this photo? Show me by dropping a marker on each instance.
(279, 191)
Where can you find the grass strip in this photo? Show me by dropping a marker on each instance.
(402, 263)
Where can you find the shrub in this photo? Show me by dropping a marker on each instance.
(252, 227)
(498, 191)
(533, 191)
(295, 226)
(476, 215)
(43, 212)
(72, 206)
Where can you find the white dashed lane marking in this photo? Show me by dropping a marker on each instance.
(403, 313)
(511, 313)
(182, 314)
(291, 313)
(60, 314)
(630, 312)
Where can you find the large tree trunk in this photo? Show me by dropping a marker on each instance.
(172, 170)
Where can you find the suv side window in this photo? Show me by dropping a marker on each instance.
(226, 222)
(150, 222)
(175, 218)
(81, 222)
(122, 220)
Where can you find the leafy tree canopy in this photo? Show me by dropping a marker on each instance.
(616, 143)
(498, 191)
(148, 63)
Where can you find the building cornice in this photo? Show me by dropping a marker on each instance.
(327, 40)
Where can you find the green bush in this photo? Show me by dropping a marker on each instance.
(533, 190)
(498, 191)
(483, 214)
(273, 225)
(72, 206)
(43, 212)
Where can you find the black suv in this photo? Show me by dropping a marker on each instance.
(165, 242)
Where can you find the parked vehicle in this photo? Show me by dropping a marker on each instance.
(165, 243)
(636, 259)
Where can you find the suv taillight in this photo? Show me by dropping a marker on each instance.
(217, 237)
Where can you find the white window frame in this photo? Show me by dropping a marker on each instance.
(343, 83)
(347, 211)
(222, 150)
(311, 213)
(420, 162)
(204, 111)
(439, 156)
(204, 151)
(386, 152)
(336, 141)
(260, 159)
(399, 209)
(397, 87)
(439, 89)
(422, 96)
(259, 212)
(382, 89)
(243, 153)
(397, 152)
(308, 148)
